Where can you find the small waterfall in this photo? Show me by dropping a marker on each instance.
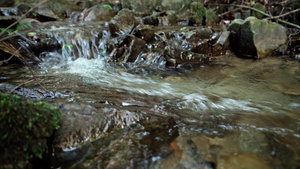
(85, 52)
(81, 41)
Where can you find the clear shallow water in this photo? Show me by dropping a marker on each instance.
(233, 112)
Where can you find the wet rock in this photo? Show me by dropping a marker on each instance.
(253, 141)
(212, 18)
(172, 17)
(243, 160)
(101, 12)
(133, 48)
(222, 44)
(150, 20)
(13, 46)
(57, 9)
(177, 57)
(124, 21)
(151, 58)
(257, 38)
(198, 11)
(133, 146)
(144, 32)
(84, 123)
(79, 123)
(200, 40)
(33, 94)
(191, 152)
(28, 44)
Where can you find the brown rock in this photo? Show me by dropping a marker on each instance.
(124, 21)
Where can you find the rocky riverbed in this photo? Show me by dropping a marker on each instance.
(160, 90)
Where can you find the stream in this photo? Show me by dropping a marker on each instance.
(228, 112)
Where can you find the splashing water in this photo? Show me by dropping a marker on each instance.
(235, 104)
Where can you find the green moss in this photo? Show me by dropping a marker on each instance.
(25, 128)
(259, 7)
(198, 12)
(211, 18)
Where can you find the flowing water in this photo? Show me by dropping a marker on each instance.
(229, 113)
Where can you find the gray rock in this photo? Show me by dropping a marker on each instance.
(222, 44)
(257, 38)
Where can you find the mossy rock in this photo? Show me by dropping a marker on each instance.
(260, 7)
(198, 11)
(212, 18)
(25, 128)
(257, 38)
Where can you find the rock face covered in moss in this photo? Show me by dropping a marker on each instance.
(257, 38)
(25, 128)
(212, 18)
(198, 11)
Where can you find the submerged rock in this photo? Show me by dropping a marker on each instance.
(134, 146)
(243, 160)
(257, 38)
(33, 94)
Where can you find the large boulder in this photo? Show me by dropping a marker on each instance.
(257, 38)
